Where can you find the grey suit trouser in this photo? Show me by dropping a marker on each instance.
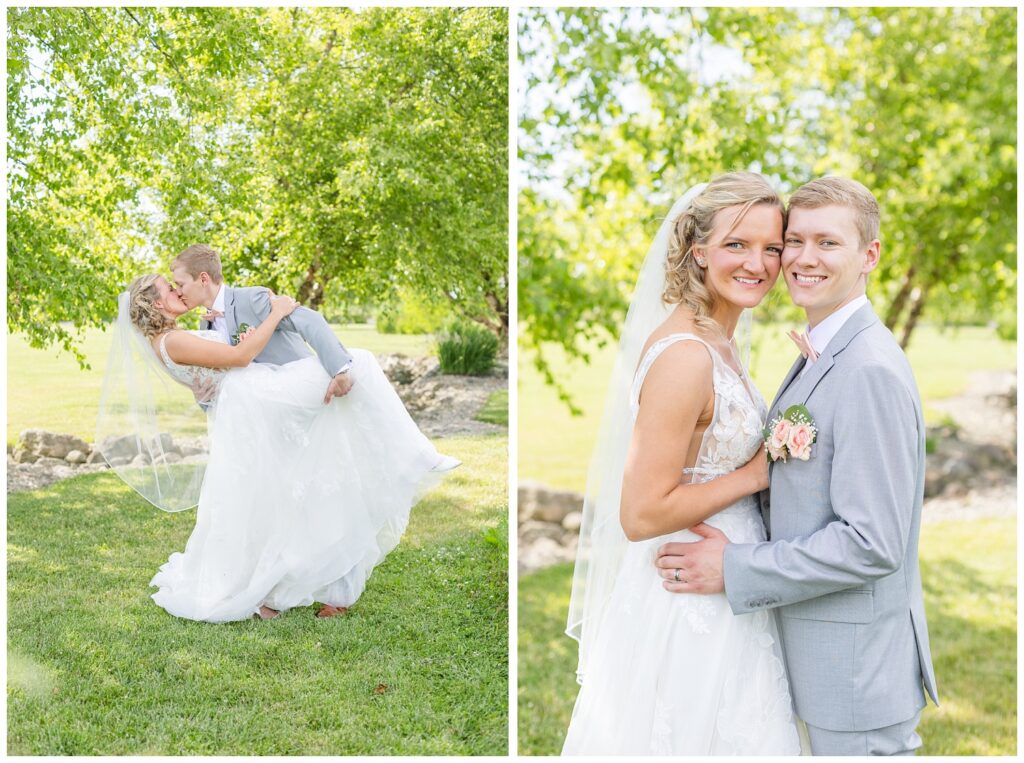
(898, 739)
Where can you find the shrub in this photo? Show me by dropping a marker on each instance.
(468, 349)
(412, 314)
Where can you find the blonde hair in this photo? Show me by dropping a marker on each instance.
(684, 278)
(200, 258)
(144, 315)
(843, 192)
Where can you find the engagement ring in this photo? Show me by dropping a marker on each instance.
(676, 575)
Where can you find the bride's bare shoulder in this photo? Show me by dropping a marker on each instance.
(679, 322)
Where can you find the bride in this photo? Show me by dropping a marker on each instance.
(664, 673)
(299, 500)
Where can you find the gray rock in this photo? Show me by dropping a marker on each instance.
(572, 521)
(119, 447)
(43, 444)
(120, 461)
(76, 457)
(531, 530)
(168, 458)
(542, 553)
(140, 460)
(556, 505)
(95, 457)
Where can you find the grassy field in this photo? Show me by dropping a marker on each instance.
(47, 390)
(969, 571)
(942, 363)
(418, 667)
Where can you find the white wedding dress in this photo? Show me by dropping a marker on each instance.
(300, 500)
(680, 674)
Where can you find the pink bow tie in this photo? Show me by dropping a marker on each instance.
(803, 343)
(211, 314)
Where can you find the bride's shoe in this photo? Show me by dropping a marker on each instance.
(266, 613)
(329, 610)
(446, 464)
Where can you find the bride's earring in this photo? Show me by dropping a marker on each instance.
(701, 261)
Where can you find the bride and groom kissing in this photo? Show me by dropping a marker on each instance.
(314, 463)
(770, 600)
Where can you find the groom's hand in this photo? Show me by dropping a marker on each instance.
(339, 386)
(699, 564)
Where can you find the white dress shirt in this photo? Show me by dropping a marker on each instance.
(220, 323)
(822, 334)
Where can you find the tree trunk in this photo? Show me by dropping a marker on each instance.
(899, 302)
(311, 292)
(915, 313)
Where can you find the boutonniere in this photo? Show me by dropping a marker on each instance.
(242, 328)
(790, 434)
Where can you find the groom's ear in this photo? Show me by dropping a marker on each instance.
(871, 256)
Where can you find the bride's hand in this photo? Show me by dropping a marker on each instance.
(757, 468)
(282, 306)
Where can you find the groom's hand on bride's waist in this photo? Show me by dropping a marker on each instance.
(694, 567)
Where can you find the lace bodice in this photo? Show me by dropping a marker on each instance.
(735, 431)
(189, 374)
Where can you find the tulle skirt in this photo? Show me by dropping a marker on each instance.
(300, 500)
(680, 674)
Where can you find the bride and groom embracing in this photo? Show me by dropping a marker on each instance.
(314, 462)
(725, 604)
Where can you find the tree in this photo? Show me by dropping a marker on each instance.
(626, 108)
(334, 154)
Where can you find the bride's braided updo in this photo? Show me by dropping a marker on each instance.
(684, 278)
(142, 293)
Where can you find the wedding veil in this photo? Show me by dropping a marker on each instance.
(149, 427)
(602, 541)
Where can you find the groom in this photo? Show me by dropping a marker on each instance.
(197, 274)
(841, 564)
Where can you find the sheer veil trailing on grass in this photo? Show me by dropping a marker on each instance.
(602, 541)
(144, 415)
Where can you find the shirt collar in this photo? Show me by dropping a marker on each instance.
(822, 334)
(218, 303)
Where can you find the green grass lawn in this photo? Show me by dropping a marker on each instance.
(495, 410)
(47, 390)
(942, 363)
(969, 571)
(418, 667)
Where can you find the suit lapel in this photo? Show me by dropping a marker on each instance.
(855, 324)
(793, 371)
(229, 311)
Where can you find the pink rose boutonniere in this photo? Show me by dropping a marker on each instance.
(790, 434)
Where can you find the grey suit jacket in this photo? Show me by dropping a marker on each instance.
(841, 564)
(251, 305)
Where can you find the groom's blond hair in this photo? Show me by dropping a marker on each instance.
(843, 192)
(200, 258)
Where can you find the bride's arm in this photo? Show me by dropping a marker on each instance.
(675, 392)
(186, 349)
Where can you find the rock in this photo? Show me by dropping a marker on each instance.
(195, 458)
(168, 458)
(191, 450)
(49, 463)
(76, 457)
(95, 457)
(140, 460)
(24, 457)
(572, 521)
(163, 443)
(43, 444)
(115, 448)
(120, 461)
(531, 530)
(542, 553)
(401, 369)
(556, 505)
